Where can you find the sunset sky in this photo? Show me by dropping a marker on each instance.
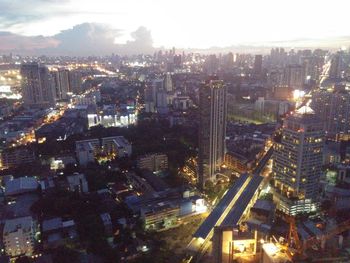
(183, 23)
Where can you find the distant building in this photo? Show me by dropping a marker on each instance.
(18, 236)
(75, 81)
(333, 107)
(294, 77)
(168, 83)
(37, 85)
(153, 162)
(257, 70)
(297, 164)
(77, 183)
(61, 83)
(212, 129)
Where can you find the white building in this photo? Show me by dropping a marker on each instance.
(18, 236)
(86, 150)
(117, 145)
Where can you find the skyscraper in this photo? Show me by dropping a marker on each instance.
(212, 129)
(297, 163)
(37, 86)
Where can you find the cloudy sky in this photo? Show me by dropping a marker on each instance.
(142, 24)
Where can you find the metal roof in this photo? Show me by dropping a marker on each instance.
(205, 228)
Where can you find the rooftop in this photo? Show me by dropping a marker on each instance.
(12, 225)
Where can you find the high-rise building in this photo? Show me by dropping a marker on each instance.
(294, 76)
(212, 129)
(37, 86)
(333, 107)
(211, 65)
(297, 163)
(61, 83)
(75, 81)
(337, 66)
(257, 65)
(168, 83)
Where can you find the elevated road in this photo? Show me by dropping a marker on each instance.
(231, 208)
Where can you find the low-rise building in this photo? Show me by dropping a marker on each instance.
(56, 231)
(107, 148)
(21, 185)
(77, 182)
(18, 236)
(153, 162)
(13, 157)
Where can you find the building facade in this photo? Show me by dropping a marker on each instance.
(37, 85)
(212, 129)
(297, 163)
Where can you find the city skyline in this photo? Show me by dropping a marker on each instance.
(51, 27)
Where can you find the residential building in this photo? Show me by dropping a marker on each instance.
(212, 129)
(18, 236)
(153, 162)
(37, 86)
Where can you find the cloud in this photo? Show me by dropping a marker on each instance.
(81, 40)
(10, 42)
(19, 12)
(142, 42)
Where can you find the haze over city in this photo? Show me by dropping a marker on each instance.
(158, 131)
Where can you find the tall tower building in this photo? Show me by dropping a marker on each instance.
(257, 64)
(37, 85)
(61, 82)
(294, 76)
(297, 163)
(212, 129)
(168, 83)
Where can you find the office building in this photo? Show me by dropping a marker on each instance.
(212, 129)
(37, 88)
(297, 163)
(18, 236)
